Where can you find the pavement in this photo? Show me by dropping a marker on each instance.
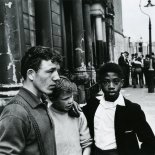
(145, 100)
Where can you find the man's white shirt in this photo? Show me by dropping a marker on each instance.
(104, 131)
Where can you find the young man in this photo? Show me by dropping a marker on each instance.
(18, 135)
(71, 132)
(115, 122)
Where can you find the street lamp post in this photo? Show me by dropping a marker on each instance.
(151, 70)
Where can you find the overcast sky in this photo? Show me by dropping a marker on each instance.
(135, 23)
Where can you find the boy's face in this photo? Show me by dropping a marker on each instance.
(44, 80)
(64, 101)
(111, 85)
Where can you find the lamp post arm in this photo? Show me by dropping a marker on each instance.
(142, 10)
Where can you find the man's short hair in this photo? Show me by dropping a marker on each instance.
(33, 57)
(110, 67)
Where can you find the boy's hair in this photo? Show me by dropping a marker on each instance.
(33, 57)
(63, 85)
(110, 67)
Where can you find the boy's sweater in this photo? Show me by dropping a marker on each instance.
(71, 133)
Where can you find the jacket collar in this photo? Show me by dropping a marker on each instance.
(120, 100)
(29, 97)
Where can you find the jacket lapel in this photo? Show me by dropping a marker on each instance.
(120, 117)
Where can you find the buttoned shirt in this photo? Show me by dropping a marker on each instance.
(104, 131)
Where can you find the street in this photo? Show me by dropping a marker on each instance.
(145, 99)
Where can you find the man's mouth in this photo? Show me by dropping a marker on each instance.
(52, 86)
(111, 93)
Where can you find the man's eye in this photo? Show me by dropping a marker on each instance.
(116, 81)
(50, 71)
(106, 82)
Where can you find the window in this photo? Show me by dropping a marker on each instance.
(29, 22)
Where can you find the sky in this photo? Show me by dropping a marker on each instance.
(135, 23)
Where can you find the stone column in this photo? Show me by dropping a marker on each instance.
(98, 12)
(106, 54)
(110, 28)
(80, 74)
(99, 40)
(10, 47)
(88, 44)
(78, 37)
(110, 40)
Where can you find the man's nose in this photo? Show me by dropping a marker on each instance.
(111, 85)
(56, 76)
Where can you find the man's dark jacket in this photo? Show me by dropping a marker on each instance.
(130, 125)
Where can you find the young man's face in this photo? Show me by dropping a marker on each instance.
(111, 85)
(45, 78)
(64, 101)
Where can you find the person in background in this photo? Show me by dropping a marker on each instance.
(121, 59)
(142, 60)
(116, 124)
(127, 69)
(25, 125)
(124, 64)
(153, 60)
(146, 69)
(138, 73)
(132, 67)
(71, 131)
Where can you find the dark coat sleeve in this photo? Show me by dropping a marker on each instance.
(12, 130)
(144, 133)
(141, 128)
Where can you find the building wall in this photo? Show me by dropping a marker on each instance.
(56, 24)
(118, 22)
(120, 44)
(25, 24)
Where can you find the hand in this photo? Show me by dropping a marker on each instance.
(77, 107)
(75, 111)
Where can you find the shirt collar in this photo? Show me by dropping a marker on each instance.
(29, 97)
(120, 100)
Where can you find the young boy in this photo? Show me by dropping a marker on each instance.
(116, 124)
(71, 132)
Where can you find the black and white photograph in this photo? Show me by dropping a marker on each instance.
(77, 77)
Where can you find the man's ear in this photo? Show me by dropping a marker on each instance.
(30, 74)
(122, 82)
(99, 85)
